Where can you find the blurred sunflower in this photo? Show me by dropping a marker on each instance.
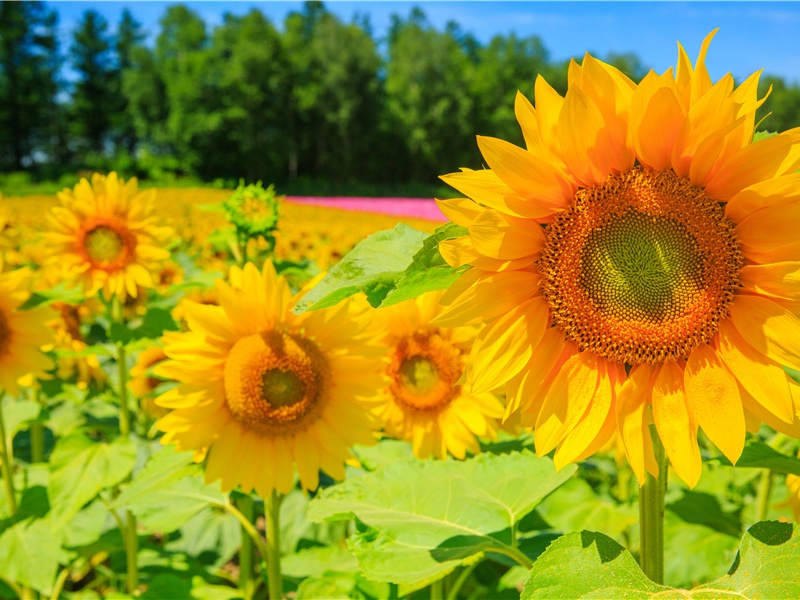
(69, 342)
(638, 262)
(262, 388)
(424, 401)
(106, 237)
(143, 384)
(22, 333)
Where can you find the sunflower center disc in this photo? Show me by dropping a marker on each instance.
(103, 244)
(5, 334)
(276, 382)
(423, 372)
(642, 268)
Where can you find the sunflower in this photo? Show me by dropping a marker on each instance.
(69, 340)
(424, 400)
(142, 382)
(638, 262)
(262, 388)
(106, 237)
(22, 333)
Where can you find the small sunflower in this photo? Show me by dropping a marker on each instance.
(22, 333)
(106, 236)
(142, 382)
(70, 342)
(262, 388)
(425, 401)
(638, 262)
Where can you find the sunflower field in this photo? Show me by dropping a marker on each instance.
(583, 381)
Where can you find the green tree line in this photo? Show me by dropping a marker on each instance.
(314, 99)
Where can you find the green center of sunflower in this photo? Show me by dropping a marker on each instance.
(419, 374)
(640, 269)
(103, 244)
(276, 382)
(424, 371)
(5, 334)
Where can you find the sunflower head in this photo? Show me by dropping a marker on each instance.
(424, 399)
(636, 263)
(264, 391)
(104, 236)
(253, 210)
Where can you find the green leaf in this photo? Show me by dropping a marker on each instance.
(599, 567)
(758, 454)
(168, 492)
(587, 564)
(765, 567)
(373, 266)
(201, 590)
(760, 135)
(166, 585)
(81, 467)
(418, 520)
(60, 293)
(213, 535)
(120, 333)
(575, 507)
(345, 586)
(694, 553)
(384, 453)
(17, 414)
(30, 553)
(318, 559)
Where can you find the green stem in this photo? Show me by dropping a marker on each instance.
(273, 514)
(245, 505)
(36, 431)
(764, 493)
(17, 589)
(62, 579)
(437, 589)
(514, 553)
(651, 515)
(129, 532)
(11, 497)
(463, 576)
(247, 526)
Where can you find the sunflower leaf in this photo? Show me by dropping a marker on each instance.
(412, 532)
(599, 567)
(760, 455)
(388, 267)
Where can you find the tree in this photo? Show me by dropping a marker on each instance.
(129, 39)
(95, 97)
(29, 65)
(781, 110)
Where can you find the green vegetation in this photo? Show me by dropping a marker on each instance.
(314, 104)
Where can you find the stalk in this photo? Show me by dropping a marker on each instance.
(273, 514)
(763, 495)
(129, 535)
(8, 480)
(36, 431)
(651, 516)
(245, 506)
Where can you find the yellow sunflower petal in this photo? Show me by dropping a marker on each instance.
(768, 327)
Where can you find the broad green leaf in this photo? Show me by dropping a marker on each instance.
(296, 530)
(575, 506)
(765, 567)
(758, 454)
(318, 559)
(587, 564)
(81, 468)
(373, 266)
(694, 553)
(598, 567)
(30, 554)
(385, 452)
(17, 414)
(60, 293)
(201, 590)
(418, 520)
(168, 492)
(213, 535)
(167, 585)
(344, 586)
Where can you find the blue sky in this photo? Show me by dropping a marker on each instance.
(753, 35)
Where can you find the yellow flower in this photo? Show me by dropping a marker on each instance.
(22, 333)
(638, 262)
(106, 237)
(142, 382)
(424, 401)
(68, 338)
(262, 388)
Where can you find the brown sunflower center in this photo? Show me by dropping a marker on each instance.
(5, 334)
(423, 372)
(276, 382)
(642, 268)
(107, 245)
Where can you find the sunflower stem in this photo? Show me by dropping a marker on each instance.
(36, 432)
(437, 590)
(130, 538)
(8, 480)
(763, 495)
(273, 514)
(245, 506)
(651, 515)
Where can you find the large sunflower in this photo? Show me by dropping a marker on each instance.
(424, 400)
(106, 236)
(262, 388)
(22, 333)
(638, 262)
